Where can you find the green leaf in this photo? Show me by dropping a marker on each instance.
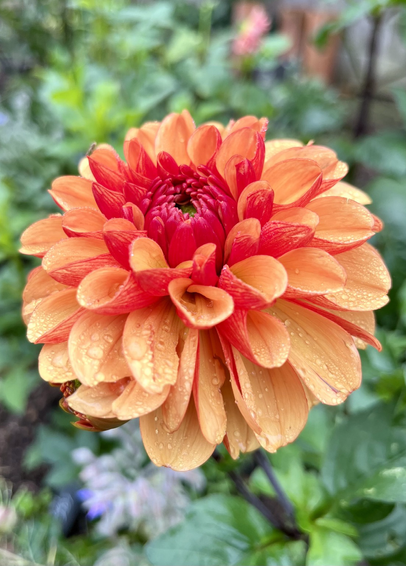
(332, 549)
(15, 388)
(383, 537)
(366, 457)
(218, 530)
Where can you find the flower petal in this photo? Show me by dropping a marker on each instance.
(70, 260)
(245, 142)
(279, 237)
(322, 353)
(150, 341)
(256, 201)
(275, 146)
(210, 376)
(175, 406)
(173, 136)
(95, 349)
(184, 449)
(294, 181)
(345, 190)
(53, 363)
(203, 144)
(42, 235)
(254, 282)
(204, 265)
(200, 306)
(72, 192)
(39, 285)
(261, 338)
(146, 136)
(118, 234)
(53, 318)
(242, 241)
(112, 290)
(85, 222)
(135, 401)
(97, 401)
(312, 272)
(110, 202)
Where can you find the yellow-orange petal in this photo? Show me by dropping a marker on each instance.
(293, 179)
(53, 318)
(175, 406)
(322, 353)
(184, 449)
(343, 224)
(53, 363)
(200, 306)
(274, 399)
(254, 282)
(146, 136)
(150, 342)
(368, 281)
(240, 438)
(39, 285)
(312, 272)
(95, 348)
(42, 235)
(345, 190)
(261, 338)
(69, 261)
(210, 376)
(275, 146)
(203, 144)
(135, 401)
(73, 192)
(86, 222)
(173, 136)
(97, 401)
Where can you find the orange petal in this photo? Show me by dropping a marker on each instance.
(73, 192)
(42, 235)
(256, 201)
(39, 286)
(239, 436)
(274, 399)
(175, 406)
(210, 375)
(262, 338)
(242, 240)
(203, 144)
(345, 190)
(343, 224)
(150, 342)
(254, 282)
(200, 306)
(322, 353)
(135, 401)
(294, 180)
(86, 222)
(53, 363)
(184, 449)
(368, 281)
(204, 265)
(97, 401)
(146, 136)
(312, 272)
(112, 290)
(245, 142)
(95, 348)
(275, 146)
(53, 318)
(118, 234)
(173, 136)
(250, 122)
(69, 261)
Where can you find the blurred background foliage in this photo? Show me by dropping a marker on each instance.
(73, 72)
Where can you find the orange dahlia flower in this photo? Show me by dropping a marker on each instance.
(213, 285)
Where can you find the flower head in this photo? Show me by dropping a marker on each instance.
(213, 285)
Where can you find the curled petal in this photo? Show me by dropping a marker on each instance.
(95, 348)
(245, 142)
(42, 235)
(261, 338)
(105, 167)
(173, 136)
(70, 260)
(175, 406)
(256, 201)
(53, 318)
(184, 449)
(72, 192)
(200, 306)
(146, 136)
(112, 290)
(242, 241)
(134, 401)
(118, 234)
(322, 353)
(294, 181)
(210, 375)
(39, 286)
(85, 222)
(204, 265)
(110, 202)
(252, 122)
(240, 438)
(254, 282)
(151, 270)
(138, 159)
(150, 341)
(238, 173)
(133, 213)
(343, 224)
(278, 238)
(273, 401)
(53, 363)
(312, 272)
(203, 144)
(97, 401)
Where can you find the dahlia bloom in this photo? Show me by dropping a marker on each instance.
(213, 285)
